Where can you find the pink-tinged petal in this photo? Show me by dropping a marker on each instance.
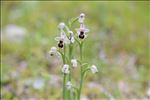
(86, 30)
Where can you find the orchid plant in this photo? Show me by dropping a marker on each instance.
(65, 50)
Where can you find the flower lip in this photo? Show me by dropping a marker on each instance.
(60, 44)
(60, 41)
(81, 36)
(81, 32)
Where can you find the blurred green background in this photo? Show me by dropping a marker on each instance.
(117, 43)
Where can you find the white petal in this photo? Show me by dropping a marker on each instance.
(86, 30)
(78, 31)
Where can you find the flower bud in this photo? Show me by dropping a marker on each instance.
(65, 69)
(94, 69)
(61, 25)
(53, 51)
(74, 62)
(69, 85)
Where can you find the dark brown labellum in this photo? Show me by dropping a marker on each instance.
(60, 41)
(81, 32)
(60, 45)
(81, 36)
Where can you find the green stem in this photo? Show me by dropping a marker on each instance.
(81, 76)
(64, 76)
(81, 45)
(70, 57)
(64, 53)
(64, 83)
(81, 82)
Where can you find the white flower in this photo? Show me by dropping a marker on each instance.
(62, 39)
(94, 69)
(82, 15)
(61, 25)
(74, 62)
(53, 51)
(82, 32)
(65, 69)
(69, 85)
(81, 18)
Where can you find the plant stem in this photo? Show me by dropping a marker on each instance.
(70, 57)
(81, 76)
(81, 82)
(64, 83)
(64, 76)
(81, 46)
